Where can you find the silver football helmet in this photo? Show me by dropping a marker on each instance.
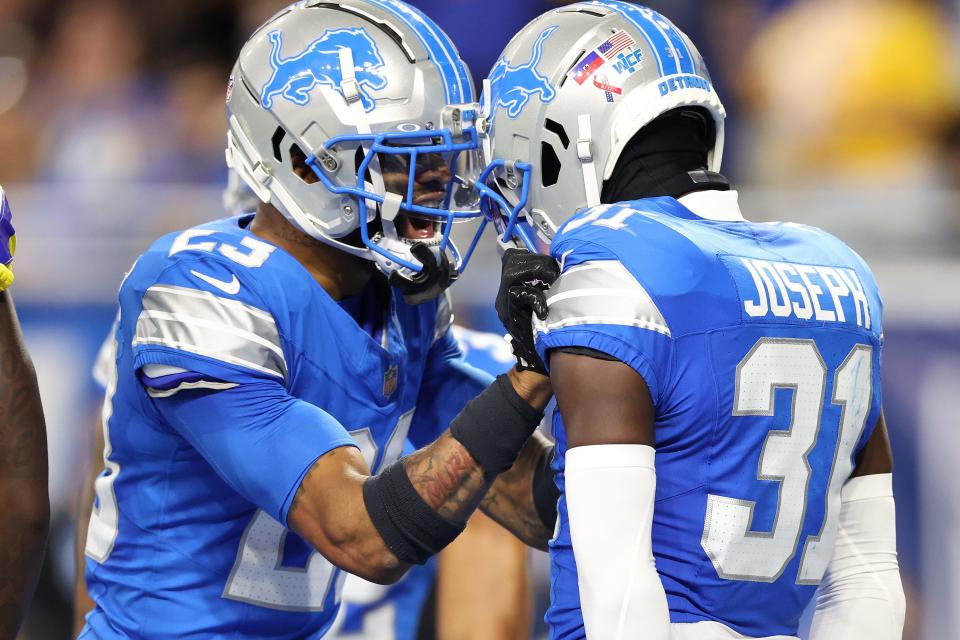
(566, 96)
(372, 96)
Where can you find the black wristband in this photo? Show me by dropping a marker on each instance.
(409, 526)
(545, 490)
(495, 425)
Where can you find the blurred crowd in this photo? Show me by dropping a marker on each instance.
(842, 113)
(95, 92)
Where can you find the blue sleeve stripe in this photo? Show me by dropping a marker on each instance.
(457, 84)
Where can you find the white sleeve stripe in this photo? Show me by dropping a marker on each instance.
(588, 293)
(192, 348)
(600, 292)
(593, 265)
(160, 370)
(209, 297)
(202, 384)
(203, 323)
(546, 327)
(192, 322)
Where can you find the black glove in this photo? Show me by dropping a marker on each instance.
(433, 279)
(523, 284)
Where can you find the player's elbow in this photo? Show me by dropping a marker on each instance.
(369, 559)
(384, 569)
(355, 548)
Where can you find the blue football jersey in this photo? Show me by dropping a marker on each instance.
(760, 344)
(376, 612)
(254, 373)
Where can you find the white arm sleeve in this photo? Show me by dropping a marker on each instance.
(610, 493)
(861, 597)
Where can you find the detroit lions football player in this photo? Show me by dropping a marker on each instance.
(431, 600)
(721, 447)
(269, 368)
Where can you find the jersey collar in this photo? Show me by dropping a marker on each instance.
(721, 206)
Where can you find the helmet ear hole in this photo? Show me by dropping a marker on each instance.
(557, 129)
(276, 140)
(298, 163)
(549, 165)
(358, 159)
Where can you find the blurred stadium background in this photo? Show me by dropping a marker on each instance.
(843, 114)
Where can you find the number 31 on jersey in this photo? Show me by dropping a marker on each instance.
(739, 553)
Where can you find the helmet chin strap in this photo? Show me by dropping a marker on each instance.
(585, 154)
(487, 113)
(436, 276)
(351, 90)
(351, 95)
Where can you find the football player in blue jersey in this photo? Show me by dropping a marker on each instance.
(721, 448)
(431, 600)
(270, 368)
(478, 587)
(23, 453)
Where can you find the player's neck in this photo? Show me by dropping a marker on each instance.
(340, 274)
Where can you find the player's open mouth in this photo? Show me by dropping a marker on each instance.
(413, 228)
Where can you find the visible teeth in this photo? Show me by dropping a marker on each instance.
(433, 242)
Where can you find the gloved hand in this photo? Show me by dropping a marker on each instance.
(524, 280)
(8, 243)
(435, 277)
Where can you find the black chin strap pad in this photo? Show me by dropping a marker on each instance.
(433, 279)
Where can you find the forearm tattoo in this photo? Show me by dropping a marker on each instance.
(447, 478)
(510, 500)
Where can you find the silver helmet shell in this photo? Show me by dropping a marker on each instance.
(566, 96)
(339, 80)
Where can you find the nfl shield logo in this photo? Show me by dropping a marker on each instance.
(390, 381)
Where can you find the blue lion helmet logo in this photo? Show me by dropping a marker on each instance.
(319, 64)
(512, 86)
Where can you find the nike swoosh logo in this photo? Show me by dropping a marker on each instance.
(230, 288)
